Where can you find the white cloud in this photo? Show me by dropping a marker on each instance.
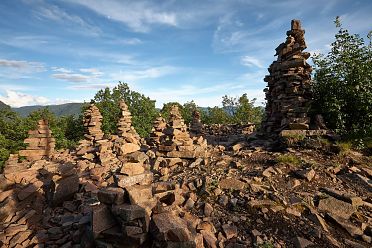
(137, 15)
(70, 76)
(22, 65)
(19, 99)
(61, 69)
(134, 75)
(19, 69)
(251, 61)
(55, 13)
(127, 41)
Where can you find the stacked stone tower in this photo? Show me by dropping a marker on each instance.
(288, 92)
(92, 122)
(128, 139)
(176, 141)
(196, 126)
(40, 142)
(157, 131)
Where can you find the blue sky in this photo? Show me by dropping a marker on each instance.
(172, 50)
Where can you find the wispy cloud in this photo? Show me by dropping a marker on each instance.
(23, 65)
(251, 61)
(69, 76)
(127, 41)
(50, 12)
(61, 69)
(147, 73)
(137, 15)
(16, 69)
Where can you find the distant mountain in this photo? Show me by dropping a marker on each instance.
(58, 110)
(3, 106)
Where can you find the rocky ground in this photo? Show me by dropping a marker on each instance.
(250, 193)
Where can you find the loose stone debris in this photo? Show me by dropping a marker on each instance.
(180, 191)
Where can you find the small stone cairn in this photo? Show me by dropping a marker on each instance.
(196, 126)
(176, 141)
(92, 123)
(40, 142)
(289, 92)
(128, 140)
(157, 131)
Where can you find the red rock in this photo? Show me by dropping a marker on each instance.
(29, 190)
(168, 227)
(102, 219)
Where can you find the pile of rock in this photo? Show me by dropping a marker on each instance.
(289, 92)
(29, 190)
(128, 140)
(176, 141)
(157, 131)
(148, 216)
(40, 142)
(92, 122)
(196, 126)
(227, 134)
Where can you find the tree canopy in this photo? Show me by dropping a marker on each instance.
(343, 84)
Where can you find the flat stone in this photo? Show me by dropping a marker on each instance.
(208, 209)
(268, 172)
(169, 227)
(129, 148)
(142, 179)
(29, 190)
(354, 231)
(306, 174)
(111, 195)
(210, 240)
(62, 189)
(336, 207)
(231, 183)
(102, 219)
(128, 212)
(354, 200)
(230, 231)
(5, 194)
(301, 242)
(132, 169)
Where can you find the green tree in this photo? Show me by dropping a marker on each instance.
(13, 130)
(343, 84)
(246, 111)
(142, 108)
(165, 110)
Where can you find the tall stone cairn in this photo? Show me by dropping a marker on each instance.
(128, 139)
(196, 126)
(157, 131)
(288, 92)
(176, 141)
(125, 128)
(40, 142)
(93, 122)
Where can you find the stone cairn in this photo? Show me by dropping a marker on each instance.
(128, 140)
(288, 93)
(176, 141)
(92, 123)
(157, 131)
(196, 126)
(40, 142)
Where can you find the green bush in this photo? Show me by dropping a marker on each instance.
(343, 84)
